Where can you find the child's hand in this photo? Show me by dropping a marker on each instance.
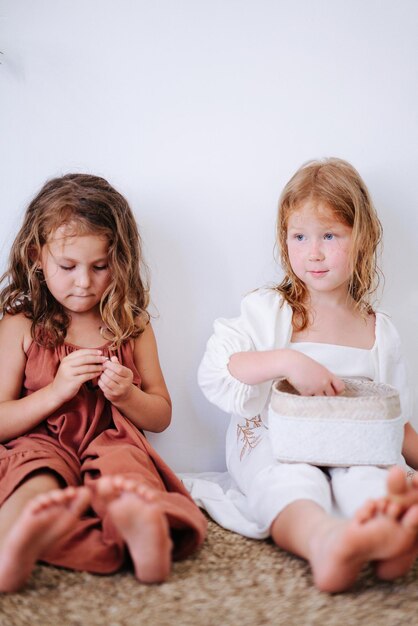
(311, 378)
(115, 381)
(75, 369)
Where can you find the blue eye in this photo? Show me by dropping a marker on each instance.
(328, 236)
(299, 237)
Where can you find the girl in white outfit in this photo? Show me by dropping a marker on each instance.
(313, 329)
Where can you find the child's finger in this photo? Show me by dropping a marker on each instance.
(83, 353)
(338, 385)
(115, 369)
(329, 390)
(86, 359)
(107, 385)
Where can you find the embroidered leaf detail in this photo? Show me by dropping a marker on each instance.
(247, 436)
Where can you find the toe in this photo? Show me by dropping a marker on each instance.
(367, 511)
(397, 483)
(410, 519)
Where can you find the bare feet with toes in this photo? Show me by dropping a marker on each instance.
(339, 552)
(384, 531)
(401, 503)
(139, 518)
(44, 521)
(402, 493)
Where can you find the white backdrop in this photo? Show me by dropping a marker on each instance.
(199, 111)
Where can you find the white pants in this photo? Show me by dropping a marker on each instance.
(270, 485)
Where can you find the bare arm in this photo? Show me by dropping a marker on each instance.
(305, 374)
(20, 415)
(410, 446)
(149, 408)
(17, 415)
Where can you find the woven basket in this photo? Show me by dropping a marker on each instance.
(361, 426)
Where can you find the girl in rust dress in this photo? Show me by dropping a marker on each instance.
(80, 486)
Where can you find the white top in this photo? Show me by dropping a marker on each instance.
(343, 361)
(265, 323)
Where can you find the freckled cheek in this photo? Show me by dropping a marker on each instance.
(341, 258)
(296, 259)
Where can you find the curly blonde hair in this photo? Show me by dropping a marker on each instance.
(337, 184)
(86, 204)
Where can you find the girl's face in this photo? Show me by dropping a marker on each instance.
(319, 248)
(76, 269)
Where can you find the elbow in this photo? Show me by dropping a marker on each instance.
(165, 418)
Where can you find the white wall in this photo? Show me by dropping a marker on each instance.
(199, 111)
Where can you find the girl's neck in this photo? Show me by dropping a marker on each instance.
(330, 299)
(339, 322)
(85, 330)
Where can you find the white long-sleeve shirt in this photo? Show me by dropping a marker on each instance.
(265, 323)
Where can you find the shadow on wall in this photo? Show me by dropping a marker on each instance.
(400, 287)
(183, 293)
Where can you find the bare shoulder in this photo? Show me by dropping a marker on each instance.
(146, 340)
(15, 330)
(148, 364)
(146, 354)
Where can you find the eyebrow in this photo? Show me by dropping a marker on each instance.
(67, 259)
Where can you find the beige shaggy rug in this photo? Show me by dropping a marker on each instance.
(231, 581)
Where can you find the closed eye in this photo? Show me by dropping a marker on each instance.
(98, 268)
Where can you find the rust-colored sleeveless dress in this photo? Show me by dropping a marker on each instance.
(84, 439)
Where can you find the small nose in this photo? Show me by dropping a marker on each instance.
(315, 251)
(83, 278)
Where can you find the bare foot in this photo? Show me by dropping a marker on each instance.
(137, 514)
(44, 520)
(400, 504)
(341, 549)
(392, 568)
(402, 493)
